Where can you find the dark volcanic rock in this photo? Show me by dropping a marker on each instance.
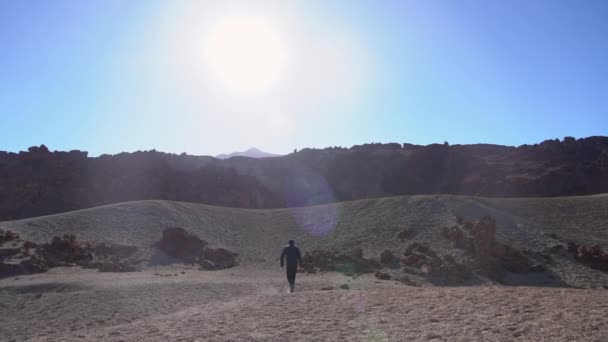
(218, 259)
(356, 253)
(66, 250)
(34, 264)
(63, 250)
(421, 260)
(593, 256)
(7, 236)
(38, 181)
(478, 240)
(181, 244)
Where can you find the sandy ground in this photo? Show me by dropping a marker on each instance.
(248, 304)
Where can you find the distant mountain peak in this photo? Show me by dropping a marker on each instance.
(251, 152)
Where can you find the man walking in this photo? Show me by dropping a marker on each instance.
(292, 253)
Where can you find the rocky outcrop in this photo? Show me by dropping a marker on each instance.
(66, 251)
(7, 236)
(181, 244)
(478, 240)
(28, 257)
(188, 247)
(593, 256)
(38, 181)
(419, 259)
(218, 259)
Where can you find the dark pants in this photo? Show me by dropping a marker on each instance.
(291, 278)
(291, 275)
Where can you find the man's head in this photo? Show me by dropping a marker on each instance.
(291, 242)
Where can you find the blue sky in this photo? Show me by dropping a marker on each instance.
(112, 76)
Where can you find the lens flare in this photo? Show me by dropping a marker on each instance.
(306, 188)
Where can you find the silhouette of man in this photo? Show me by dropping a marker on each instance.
(292, 253)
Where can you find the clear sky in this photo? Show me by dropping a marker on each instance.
(206, 77)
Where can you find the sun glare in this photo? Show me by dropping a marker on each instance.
(245, 53)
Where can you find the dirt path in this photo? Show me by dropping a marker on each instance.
(251, 305)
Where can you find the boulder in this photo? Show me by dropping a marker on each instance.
(483, 233)
(572, 247)
(403, 234)
(181, 244)
(593, 256)
(413, 259)
(458, 238)
(516, 262)
(387, 257)
(35, 264)
(382, 275)
(356, 253)
(221, 258)
(29, 245)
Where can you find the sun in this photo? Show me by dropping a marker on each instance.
(245, 53)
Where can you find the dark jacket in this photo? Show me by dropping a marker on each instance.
(293, 256)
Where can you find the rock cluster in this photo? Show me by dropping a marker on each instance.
(218, 259)
(422, 260)
(478, 240)
(66, 250)
(7, 236)
(593, 256)
(181, 244)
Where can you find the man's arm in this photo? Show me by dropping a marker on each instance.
(282, 257)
